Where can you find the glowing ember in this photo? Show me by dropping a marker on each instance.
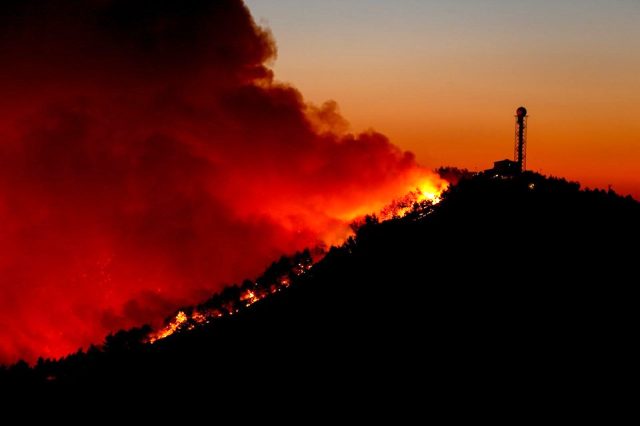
(198, 317)
(249, 298)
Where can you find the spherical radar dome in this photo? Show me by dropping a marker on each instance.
(521, 112)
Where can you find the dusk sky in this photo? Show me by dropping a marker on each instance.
(148, 158)
(443, 78)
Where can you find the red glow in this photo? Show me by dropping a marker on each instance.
(147, 158)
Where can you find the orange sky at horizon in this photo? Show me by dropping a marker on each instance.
(444, 80)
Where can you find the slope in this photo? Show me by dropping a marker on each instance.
(506, 284)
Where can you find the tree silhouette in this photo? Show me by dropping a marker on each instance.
(519, 280)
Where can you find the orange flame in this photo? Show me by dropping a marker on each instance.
(429, 190)
(171, 328)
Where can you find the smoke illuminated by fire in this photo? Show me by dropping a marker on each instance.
(148, 157)
(426, 193)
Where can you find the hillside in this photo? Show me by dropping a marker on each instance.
(506, 283)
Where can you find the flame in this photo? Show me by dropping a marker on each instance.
(171, 328)
(124, 193)
(429, 190)
(249, 297)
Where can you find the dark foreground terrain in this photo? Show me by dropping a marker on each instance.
(512, 289)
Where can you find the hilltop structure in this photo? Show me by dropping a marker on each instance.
(513, 167)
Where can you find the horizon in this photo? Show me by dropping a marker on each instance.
(443, 79)
(153, 152)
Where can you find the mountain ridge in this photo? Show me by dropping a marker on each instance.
(507, 280)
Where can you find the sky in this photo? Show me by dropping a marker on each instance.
(148, 157)
(444, 78)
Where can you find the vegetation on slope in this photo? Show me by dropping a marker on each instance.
(524, 280)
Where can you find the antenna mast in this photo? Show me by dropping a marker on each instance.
(520, 150)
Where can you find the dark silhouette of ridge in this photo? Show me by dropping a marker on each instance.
(448, 299)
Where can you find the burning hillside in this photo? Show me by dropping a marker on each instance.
(148, 156)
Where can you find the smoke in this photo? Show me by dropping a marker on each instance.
(147, 158)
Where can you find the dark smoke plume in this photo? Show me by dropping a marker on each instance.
(147, 157)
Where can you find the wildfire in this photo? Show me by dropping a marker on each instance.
(171, 328)
(428, 192)
(96, 193)
(251, 292)
(249, 297)
(199, 317)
